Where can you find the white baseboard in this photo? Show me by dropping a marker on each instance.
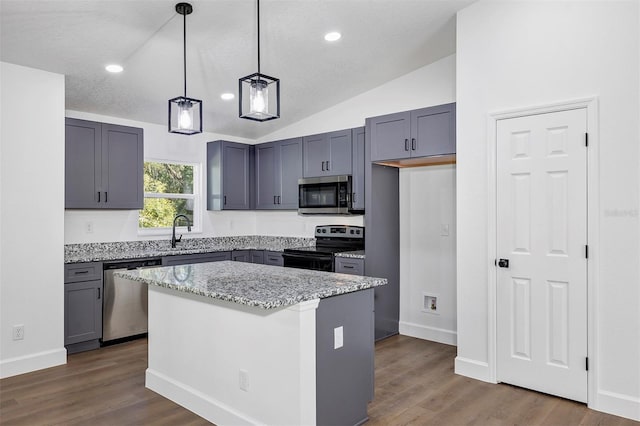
(475, 369)
(203, 405)
(419, 331)
(32, 362)
(617, 404)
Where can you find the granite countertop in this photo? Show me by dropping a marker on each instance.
(358, 254)
(250, 284)
(95, 252)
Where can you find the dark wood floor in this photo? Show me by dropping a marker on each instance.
(415, 385)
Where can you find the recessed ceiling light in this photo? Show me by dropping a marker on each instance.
(227, 96)
(332, 36)
(114, 68)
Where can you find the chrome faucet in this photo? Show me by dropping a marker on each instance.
(175, 240)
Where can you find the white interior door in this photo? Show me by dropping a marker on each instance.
(542, 232)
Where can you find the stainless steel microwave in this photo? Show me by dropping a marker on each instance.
(324, 195)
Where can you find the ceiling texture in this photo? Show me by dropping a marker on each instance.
(381, 40)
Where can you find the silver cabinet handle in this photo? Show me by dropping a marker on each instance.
(105, 197)
(98, 196)
(406, 144)
(323, 166)
(413, 144)
(328, 165)
(274, 200)
(98, 293)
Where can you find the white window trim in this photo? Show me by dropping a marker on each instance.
(196, 226)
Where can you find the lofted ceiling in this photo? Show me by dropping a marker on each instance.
(381, 40)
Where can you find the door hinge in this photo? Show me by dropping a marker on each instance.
(586, 363)
(586, 139)
(586, 252)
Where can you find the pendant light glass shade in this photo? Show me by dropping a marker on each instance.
(185, 114)
(259, 97)
(259, 94)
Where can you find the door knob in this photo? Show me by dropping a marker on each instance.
(503, 263)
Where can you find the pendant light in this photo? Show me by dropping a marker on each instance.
(259, 98)
(185, 114)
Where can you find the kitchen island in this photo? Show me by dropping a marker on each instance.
(241, 343)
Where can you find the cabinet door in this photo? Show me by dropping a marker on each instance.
(257, 256)
(241, 256)
(273, 258)
(340, 153)
(390, 136)
(315, 153)
(82, 311)
(433, 131)
(82, 165)
(357, 196)
(122, 167)
(236, 176)
(289, 164)
(266, 175)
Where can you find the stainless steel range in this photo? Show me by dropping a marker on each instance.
(330, 239)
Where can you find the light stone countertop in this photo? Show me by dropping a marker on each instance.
(97, 252)
(358, 254)
(250, 284)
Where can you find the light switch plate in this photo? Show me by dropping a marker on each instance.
(338, 337)
(444, 229)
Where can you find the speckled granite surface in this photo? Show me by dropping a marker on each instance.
(94, 252)
(358, 254)
(264, 286)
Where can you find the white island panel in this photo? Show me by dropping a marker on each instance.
(198, 346)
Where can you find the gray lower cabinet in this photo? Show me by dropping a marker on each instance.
(248, 256)
(185, 259)
(349, 265)
(82, 306)
(278, 166)
(327, 154)
(423, 132)
(357, 194)
(273, 258)
(344, 373)
(230, 168)
(103, 166)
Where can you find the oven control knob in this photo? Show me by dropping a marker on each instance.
(357, 231)
(324, 231)
(351, 231)
(318, 231)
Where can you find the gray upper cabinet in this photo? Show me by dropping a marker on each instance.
(357, 196)
(229, 176)
(103, 166)
(278, 167)
(327, 154)
(420, 133)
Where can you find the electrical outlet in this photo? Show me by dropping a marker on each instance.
(338, 337)
(88, 227)
(243, 380)
(444, 230)
(18, 332)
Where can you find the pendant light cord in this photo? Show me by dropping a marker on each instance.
(258, 38)
(184, 51)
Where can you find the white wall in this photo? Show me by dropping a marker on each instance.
(529, 53)
(433, 84)
(427, 256)
(31, 206)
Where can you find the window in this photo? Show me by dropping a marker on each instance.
(169, 189)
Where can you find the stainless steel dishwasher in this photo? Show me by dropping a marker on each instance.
(124, 306)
